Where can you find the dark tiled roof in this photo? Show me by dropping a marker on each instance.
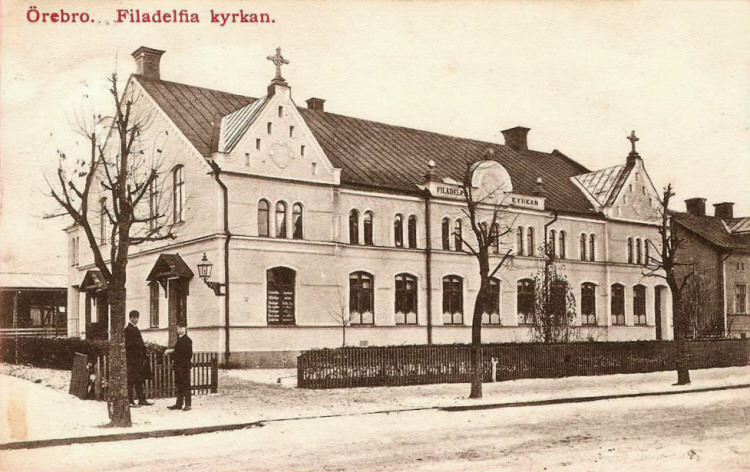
(712, 229)
(377, 155)
(194, 110)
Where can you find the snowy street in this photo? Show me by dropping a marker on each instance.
(697, 431)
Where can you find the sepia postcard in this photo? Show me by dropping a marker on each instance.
(374, 236)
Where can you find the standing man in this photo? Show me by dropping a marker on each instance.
(182, 361)
(136, 360)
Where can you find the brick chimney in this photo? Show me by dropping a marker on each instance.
(515, 138)
(147, 61)
(315, 104)
(696, 206)
(724, 210)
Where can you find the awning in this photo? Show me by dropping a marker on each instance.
(93, 281)
(170, 266)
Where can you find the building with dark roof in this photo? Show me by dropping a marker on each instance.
(33, 304)
(717, 249)
(304, 215)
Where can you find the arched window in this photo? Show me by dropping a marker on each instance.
(638, 252)
(280, 288)
(519, 241)
(412, 231)
(562, 244)
(458, 243)
(530, 241)
(263, 225)
(491, 308)
(588, 304)
(178, 194)
(367, 221)
(103, 222)
(453, 300)
(618, 304)
(361, 299)
(592, 248)
(281, 220)
(639, 305)
(446, 234)
(398, 231)
(297, 221)
(630, 250)
(525, 301)
(406, 299)
(495, 238)
(354, 227)
(583, 246)
(551, 248)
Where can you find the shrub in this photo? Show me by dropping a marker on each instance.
(55, 353)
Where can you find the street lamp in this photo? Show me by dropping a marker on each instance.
(204, 272)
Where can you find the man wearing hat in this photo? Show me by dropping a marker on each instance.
(136, 360)
(181, 364)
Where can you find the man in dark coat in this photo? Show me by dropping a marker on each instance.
(181, 363)
(136, 359)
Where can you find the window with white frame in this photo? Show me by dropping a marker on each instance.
(406, 299)
(453, 300)
(361, 298)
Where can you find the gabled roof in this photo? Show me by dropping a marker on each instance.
(739, 225)
(371, 154)
(170, 266)
(712, 229)
(604, 185)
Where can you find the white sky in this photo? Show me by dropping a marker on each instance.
(580, 75)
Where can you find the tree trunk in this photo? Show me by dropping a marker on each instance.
(117, 398)
(680, 328)
(476, 339)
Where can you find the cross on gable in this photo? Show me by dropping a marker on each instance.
(632, 138)
(278, 61)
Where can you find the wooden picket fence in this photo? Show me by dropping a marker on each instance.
(204, 376)
(423, 364)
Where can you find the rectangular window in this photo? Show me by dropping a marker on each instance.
(302, 150)
(406, 299)
(361, 299)
(270, 127)
(740, 302)
(281, 111)
(618, 304)
(525, 294)
(154, 303)
(291, 131)
(257, 144)
(491, 310)
(453, 300)
(639, 305)
(588, 304)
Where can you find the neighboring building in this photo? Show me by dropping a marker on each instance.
(33, 304)
(717, 248)
(323, 211)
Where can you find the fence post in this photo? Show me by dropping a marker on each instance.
(214, 373)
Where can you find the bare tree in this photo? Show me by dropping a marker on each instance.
(665, 265)
(490, 222)
(700, 306)
(341, 315)
(554, 304)
(113, 194)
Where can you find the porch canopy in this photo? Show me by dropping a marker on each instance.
(170, 267)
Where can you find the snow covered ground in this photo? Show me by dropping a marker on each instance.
(706, 431)
(44, 410)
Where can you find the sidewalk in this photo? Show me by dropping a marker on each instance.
(38, 411)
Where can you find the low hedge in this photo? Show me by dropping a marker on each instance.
(55, 353)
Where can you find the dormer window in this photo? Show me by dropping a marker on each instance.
(270, 127)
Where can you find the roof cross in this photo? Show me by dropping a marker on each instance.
(632, 138)
(278, 61)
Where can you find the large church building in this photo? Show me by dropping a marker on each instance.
(306, 218)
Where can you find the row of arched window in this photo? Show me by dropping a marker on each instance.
(554, 249)
(277, 226)
(588, 247)
(639, 251)
(367, 230)
(281, 287)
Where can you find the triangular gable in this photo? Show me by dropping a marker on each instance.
(93, 281)
(169, 266)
